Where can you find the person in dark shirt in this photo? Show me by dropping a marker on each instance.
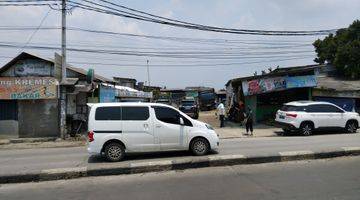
(249, 121)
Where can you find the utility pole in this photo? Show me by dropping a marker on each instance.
(148, 72)
(63, 72)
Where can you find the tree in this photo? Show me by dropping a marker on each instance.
(342, 50)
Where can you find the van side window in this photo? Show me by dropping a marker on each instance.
(108, 113)
(135, 113)
(170, 116)
(167, 115)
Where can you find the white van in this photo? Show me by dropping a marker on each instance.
(118, 128)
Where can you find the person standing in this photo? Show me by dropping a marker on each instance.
(221, 114)
(249, 121)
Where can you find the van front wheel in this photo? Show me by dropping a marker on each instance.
(199, 147)
(114, 152)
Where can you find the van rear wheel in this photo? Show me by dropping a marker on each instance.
(114, 152)
(199, 146)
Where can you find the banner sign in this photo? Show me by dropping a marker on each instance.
(28, 88)
(138, 94)
(259, 86)
(107, 94)
(301, 81)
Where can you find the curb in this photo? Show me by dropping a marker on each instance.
(32, 140)
(36, 140)
(177, 164)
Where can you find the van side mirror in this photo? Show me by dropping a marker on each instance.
(181, 121)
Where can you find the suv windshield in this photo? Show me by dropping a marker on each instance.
(293, 108)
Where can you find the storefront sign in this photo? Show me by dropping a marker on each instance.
(259, 86)
(138, 94)
(301, 81)
(28, 88)
(107, 94)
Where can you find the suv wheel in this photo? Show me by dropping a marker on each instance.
(200, 147)
(114, 152)
(351, 127)
(306, 129)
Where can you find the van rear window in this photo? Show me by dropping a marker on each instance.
(293, 108)
(122, 113)
(108, 113)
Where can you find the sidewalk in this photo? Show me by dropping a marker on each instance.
(236, 130)
(29, 143)
(233, 130)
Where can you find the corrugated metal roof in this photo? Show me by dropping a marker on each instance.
(277, 72)
(25, 55)
(333, 83)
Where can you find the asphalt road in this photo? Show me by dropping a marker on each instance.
(337, 178)
(33, 160)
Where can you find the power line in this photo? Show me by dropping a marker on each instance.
(22, 1)
(183, 39)
(193, 64)
(247, 50)
(184, 49)
(190, 65)
(36, 30)
(162, 54)
(188, 25)
(29, 4)
(157, 16)
(220, 41)
(144, 16)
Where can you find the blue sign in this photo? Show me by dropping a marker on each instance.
(107, 94)
(301, 81)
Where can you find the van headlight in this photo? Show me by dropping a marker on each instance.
(208, 126)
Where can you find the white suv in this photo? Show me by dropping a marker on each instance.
(305, 116)
(119, 128)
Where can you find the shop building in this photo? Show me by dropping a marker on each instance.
(266, 93)
(29, 96)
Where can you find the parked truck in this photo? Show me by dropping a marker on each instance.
(207, 98)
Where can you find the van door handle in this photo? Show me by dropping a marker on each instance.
(146, 126)
(158, 126)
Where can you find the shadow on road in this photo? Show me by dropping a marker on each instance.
(316, 132)
(146, 156)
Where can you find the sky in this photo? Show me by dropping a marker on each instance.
(252, 53)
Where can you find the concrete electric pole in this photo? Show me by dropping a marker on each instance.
(148, 72)
(63, 72)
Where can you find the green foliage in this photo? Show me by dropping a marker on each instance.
(341, 50)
